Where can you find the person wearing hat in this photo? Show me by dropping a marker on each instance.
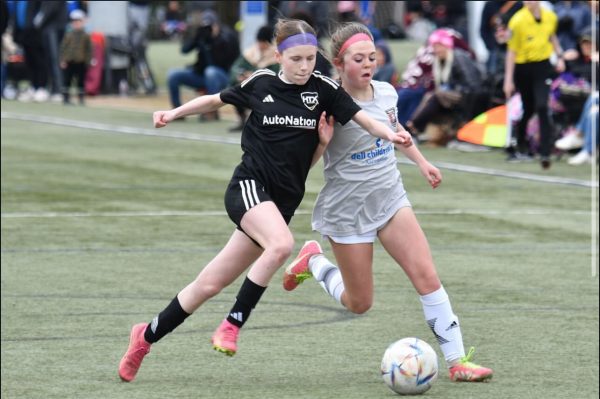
(457, 79)
(75, 56)
(217, 48)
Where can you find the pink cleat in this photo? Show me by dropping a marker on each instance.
(465, 371)
(138, 348)
(224, 339)
(298, 270)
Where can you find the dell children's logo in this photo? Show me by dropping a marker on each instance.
(310, 99)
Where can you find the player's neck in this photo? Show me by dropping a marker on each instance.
(359, 93)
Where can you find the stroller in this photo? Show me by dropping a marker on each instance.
(139, 74)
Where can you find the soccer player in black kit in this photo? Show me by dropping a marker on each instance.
(280, 143)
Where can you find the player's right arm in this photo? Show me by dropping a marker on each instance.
(199, 105)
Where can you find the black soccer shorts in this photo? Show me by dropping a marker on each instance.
(242, 195)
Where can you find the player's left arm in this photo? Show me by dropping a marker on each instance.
(430, 172)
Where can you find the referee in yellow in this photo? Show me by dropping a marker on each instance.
(528, 69)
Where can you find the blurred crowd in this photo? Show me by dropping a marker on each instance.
(46, 49)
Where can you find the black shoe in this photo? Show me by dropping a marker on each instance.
(236, 128)
(545, 162)
(518, 157)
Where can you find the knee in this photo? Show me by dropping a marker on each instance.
(210, 73)
(173, 76)
(359, 306)
(426, 280)
(281, 250)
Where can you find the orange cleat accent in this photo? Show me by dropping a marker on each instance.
(298, 270)
(138, 348)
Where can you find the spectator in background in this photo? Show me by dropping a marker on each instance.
(75, 56)
(417, 78)
(443, 13)
(260, 55)
(579, 60)
(583, 135)
(3, 26)
(573, 18)
(385, 70)
(217, 46)
(494, 19)
(359, 11)
(457, 80)
(532, 41)
(318, 12)
(51, 19)
(29, 37)
(173, 24)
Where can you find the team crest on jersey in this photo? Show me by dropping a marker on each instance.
(310, 99)
(392, 116)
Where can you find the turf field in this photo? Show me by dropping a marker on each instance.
(104, 219)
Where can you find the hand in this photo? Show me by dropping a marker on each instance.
(508, 88)
(161, 118)
(560, 65)
(325, 129)
(432, 174)
(402, 137)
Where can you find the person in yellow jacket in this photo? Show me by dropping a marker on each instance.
(528, 70)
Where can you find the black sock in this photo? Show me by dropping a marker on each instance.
(166, 321)
(246, 300)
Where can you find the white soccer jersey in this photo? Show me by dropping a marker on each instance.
(363, 187)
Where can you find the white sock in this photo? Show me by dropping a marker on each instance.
(327, 275)
(444, 324)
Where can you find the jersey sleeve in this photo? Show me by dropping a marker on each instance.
(237, 95)
(514, 39)
(340, 104)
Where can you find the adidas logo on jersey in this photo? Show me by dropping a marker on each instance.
(268, 99)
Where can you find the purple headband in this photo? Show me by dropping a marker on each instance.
(300, 39)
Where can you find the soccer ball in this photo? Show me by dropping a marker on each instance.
(409, 366)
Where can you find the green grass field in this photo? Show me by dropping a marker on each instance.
(102, 225)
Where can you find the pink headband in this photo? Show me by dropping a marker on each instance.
(359, 37)
(441, 37)
(298, 40)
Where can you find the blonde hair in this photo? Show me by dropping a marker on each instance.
(344, 32)
(289, 27)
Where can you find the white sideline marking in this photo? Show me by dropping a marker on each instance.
(25, 215)
(510, 174)
(116, 129)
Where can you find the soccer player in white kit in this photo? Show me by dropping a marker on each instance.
(280, 143)
(363, 199)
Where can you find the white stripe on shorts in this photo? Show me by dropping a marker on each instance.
(254, 192)
(249, 194)
(244, 195)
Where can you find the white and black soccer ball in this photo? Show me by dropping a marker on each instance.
(409, 366)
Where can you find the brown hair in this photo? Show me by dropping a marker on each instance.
(344, 32)
(289, 27)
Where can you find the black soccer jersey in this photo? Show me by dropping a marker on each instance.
(280, 137)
